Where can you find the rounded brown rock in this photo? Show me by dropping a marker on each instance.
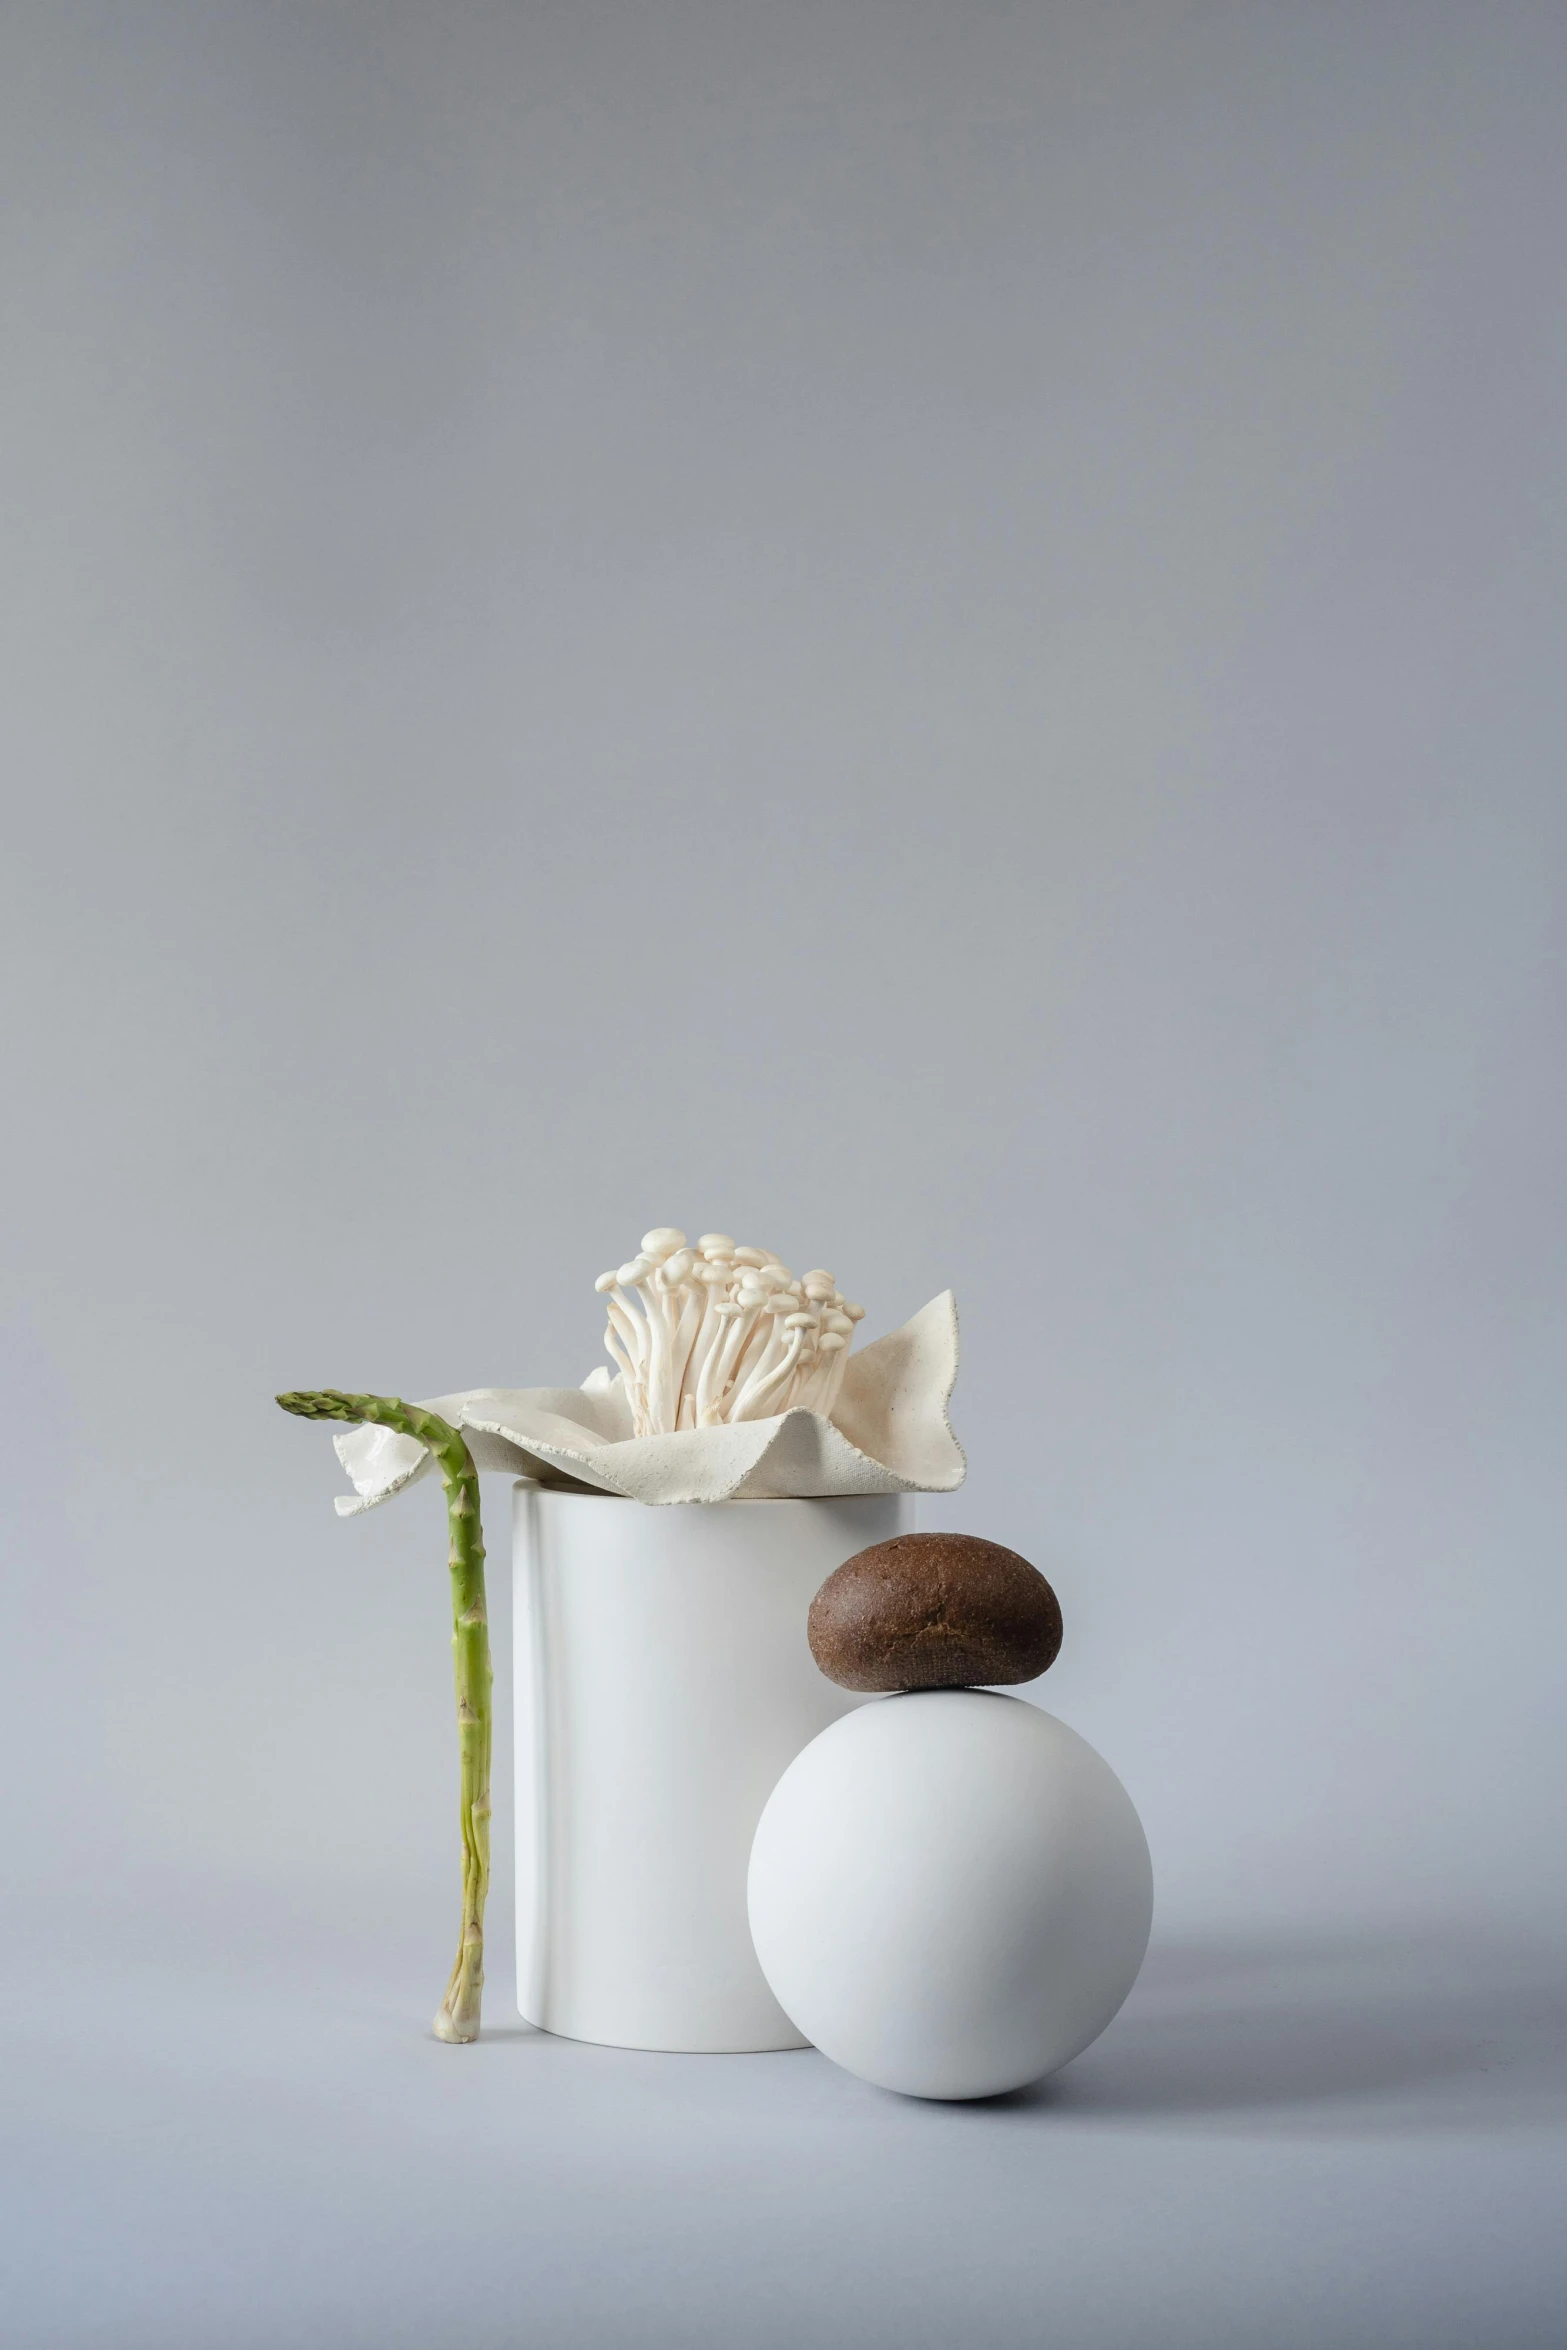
(934, 1611)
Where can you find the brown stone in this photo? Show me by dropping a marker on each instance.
(934, 1611)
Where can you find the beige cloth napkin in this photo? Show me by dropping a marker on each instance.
(889, 1433)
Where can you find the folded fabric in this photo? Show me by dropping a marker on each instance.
(888, 1433)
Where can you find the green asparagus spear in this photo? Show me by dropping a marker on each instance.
(458, 2015)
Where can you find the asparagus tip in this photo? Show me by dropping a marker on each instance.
(330, 1403)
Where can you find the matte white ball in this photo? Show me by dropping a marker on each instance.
(950, 1893)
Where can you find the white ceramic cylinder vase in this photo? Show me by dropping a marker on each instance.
(663, 1685)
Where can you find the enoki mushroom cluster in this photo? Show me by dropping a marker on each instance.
(722, 1332)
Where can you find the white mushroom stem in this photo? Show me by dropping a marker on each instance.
(739, 1336)
(707, 1350)
(775, 1368)
(821, 1389)
(630, 1329)
(713, 1372)
(757, 1402)
(693, 1313)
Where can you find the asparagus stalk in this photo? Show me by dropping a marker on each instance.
(457, 2018)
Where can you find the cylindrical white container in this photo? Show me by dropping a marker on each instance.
(663, 1685)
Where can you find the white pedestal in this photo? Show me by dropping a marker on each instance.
(663, 1684)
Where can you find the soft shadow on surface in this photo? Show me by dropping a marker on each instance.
(1413, 2033)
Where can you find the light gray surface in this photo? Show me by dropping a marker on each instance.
(1357, 2143)
(933, 632)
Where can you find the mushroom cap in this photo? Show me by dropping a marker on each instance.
(662, 1240)
(934, 1611)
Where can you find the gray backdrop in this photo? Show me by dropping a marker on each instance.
(931, 633)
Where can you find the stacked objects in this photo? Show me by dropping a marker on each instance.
(950, 1892)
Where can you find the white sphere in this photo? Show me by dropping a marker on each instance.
(950, 1893)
